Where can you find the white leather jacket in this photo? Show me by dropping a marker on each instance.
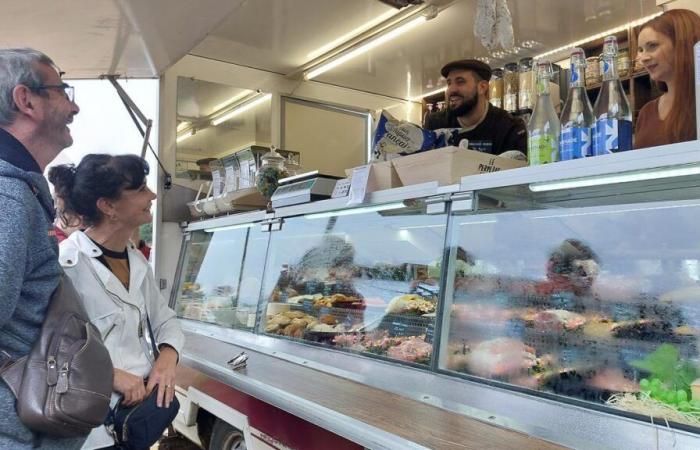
(118, 314)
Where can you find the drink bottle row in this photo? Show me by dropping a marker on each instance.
(581, 130)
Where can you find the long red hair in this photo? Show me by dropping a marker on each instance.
(682, 26)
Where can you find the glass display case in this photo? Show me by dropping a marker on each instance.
(363, 280)
(599, 304)
(588, 296)
(220, 276)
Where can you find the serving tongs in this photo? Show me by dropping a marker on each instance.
(239, 361)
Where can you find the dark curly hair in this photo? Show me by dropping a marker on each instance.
(97, 176)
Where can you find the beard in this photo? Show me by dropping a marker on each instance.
(467, 106)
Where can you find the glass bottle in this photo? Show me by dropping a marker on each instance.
(510, 87)
(577, 121)
(543, 127)
(496, 88)
(526, 82)
(613, 129)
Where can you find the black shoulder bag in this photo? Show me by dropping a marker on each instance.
(140, 426)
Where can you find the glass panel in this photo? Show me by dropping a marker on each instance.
(363, 280)
(220, 281)
(586, 303)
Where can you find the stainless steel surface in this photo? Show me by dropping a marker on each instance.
(282, 36)
(132, 38)
(562, 423)
(212, 364)
(225, 221)
(664, 156)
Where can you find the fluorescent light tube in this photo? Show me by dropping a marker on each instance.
(183, 126)
(348, 212)
(428, 94)
(599, 35)
(184, 136)
(241, 109)
(356, 32)
(624, 177)
(230, 227)
(367, 46)
(236, 98)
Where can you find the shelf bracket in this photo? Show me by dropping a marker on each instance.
(463, 201)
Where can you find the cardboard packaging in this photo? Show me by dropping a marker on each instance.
(448, 165)
(382, 176)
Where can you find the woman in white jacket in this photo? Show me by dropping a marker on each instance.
(118, 289)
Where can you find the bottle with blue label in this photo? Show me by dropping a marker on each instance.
(543, 127)
(613, 128)
(577, 120)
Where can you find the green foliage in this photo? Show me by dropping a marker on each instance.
(665, 365)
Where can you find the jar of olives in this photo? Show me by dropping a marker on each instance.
(270, 172)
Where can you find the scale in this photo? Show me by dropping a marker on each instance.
(303, 188)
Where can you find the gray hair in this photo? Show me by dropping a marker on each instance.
(18, 66)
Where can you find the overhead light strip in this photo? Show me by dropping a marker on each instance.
(182, 136)
(598, 36)
(625, 177)
(352, 34)
(230, 227)
(240, 109)
(363, 48)
(428, 94)
(348, 212)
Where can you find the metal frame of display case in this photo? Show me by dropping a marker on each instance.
(552, 417)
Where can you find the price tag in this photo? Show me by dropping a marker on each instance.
(251, 320)
(358, 185)
(216, 181)
(430, 333)
(341, 189)
(398, 329)
(230, 179)
(308, 306)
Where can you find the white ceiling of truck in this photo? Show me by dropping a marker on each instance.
(280, 35)
(88, 38)
(139, 38)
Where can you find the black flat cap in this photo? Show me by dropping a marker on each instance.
(481, 68)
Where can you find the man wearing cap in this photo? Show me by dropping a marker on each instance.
(488, 128)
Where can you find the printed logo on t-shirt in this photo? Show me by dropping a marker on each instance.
(481, 146)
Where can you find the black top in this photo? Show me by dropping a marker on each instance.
(12, 151)
(497, 133)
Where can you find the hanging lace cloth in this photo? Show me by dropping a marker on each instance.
(493, 25)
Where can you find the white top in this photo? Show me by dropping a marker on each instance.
(119, 314)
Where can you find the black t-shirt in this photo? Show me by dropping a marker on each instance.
(497, 133)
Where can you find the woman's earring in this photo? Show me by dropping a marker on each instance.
(113, 218)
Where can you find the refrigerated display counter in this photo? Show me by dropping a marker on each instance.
(512, 314)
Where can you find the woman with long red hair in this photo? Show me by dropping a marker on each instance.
(665, 49)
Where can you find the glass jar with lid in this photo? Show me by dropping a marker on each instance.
(623, 63)
(496, 88)
(270, 172)
(511, 80)
(592, 71)
(526, 84)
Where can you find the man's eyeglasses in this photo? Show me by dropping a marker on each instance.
(68, 90)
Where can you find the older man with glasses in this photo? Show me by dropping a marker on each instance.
(35, 110)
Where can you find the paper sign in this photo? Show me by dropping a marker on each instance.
(216, 181)
(358, 185)
(230, 179)
(341, 189)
